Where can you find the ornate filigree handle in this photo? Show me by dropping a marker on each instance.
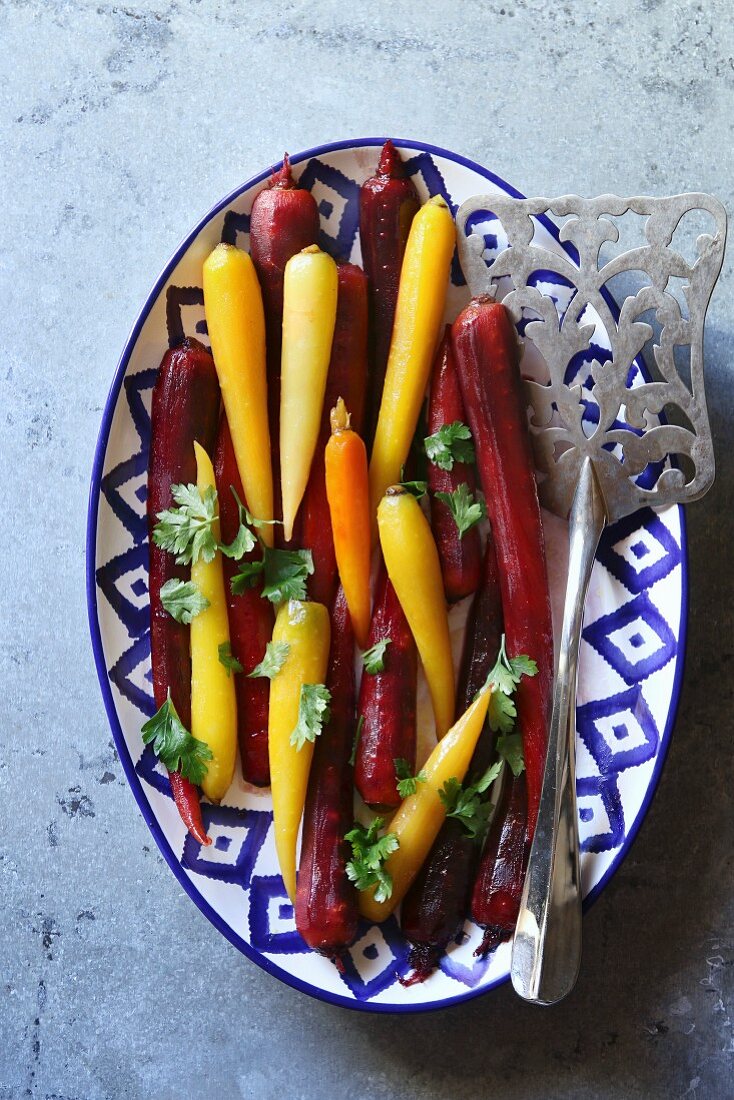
(624, 437)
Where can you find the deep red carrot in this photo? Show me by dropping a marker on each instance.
(486, 354)
(388, 202)
(496, 896)
(326, 901)
(284, 220)
(347, 378)
(251, 621)
(185, 408)
(387, 702)
(437, 903)
(460, 557)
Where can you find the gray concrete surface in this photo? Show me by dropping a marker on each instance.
(120, 124)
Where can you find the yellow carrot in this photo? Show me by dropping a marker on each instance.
(236, 324)
(213, 702)
(305, 628)
(420, 816)
(421, 300)
(309, 313)
(347, 491)
(413, 567)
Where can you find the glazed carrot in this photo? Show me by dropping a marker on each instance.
(251, 621)
(434, 909)
(213, 703)
(309, 313)
(284, 220)
(420, 816)
(388, 202)
(185, 407)
(486, 354)
(387, 700)
(421, 298)
(326, 901)
(412, 564)
(495, 902)
(460, 555)
(347, 378)
(236, 324)
(304, 628)
(347, 490)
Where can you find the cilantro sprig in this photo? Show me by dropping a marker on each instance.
(370, 851)
(466, 803)
(407, 783)
(509, 747)
(275, 657)
(463, 507)
(314, 711)
(183, 600)
(503, 679)
(373, 658)
(188, 530)
(227, 658)
(284, 574)
(451, 443)
(176, 748)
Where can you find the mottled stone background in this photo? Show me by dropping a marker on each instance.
(119, 127)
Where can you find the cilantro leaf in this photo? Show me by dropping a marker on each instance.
(243, 542)
(225, 658)
(369, 853)
(418, 489)
(188, 530)
(248, 576)
(466, 804)
(313, 714)
(182, 600)
(273, 661)
(284, 573)
(373, 658)
(451, 443)
(355, 743)
(407, 782)
(503, 679)
(509, 746)
(463, 507)
(501, 712)
(176, 748)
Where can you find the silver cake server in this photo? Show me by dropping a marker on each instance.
(602, 451)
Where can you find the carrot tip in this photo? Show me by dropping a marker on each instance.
(424, 958)
(493, 937)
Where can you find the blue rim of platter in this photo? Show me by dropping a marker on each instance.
(91, 542)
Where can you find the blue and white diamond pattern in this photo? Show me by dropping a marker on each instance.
(628, 657)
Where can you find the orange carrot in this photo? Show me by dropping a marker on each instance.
(347, 489)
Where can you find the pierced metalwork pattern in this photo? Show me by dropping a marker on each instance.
(628, 440)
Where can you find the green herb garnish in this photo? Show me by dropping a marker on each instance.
(182, 600)
(313, 714)
(463, 507)
(176, 748)
(369, 853)
(407, 782)
(451, 443)
(274, 659)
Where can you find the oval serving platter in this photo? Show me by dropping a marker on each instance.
(631, 658)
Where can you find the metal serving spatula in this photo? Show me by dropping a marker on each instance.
(604, 447)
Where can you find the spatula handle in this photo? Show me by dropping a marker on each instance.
(546, 952)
